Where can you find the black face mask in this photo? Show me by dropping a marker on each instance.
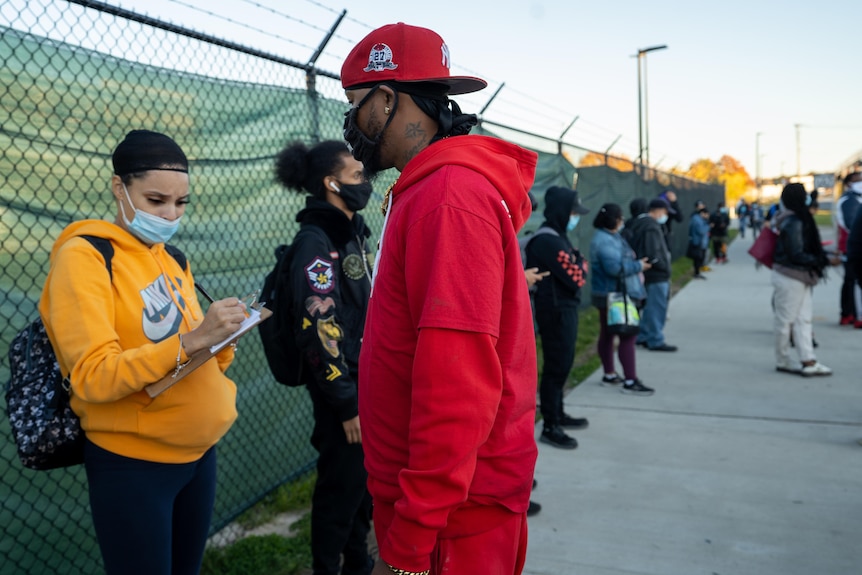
(355, 196)
(363, 148)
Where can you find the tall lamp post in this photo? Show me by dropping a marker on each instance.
(643, 127)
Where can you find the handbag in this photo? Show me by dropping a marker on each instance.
(763, 248)
(623, 315)
(47, 432)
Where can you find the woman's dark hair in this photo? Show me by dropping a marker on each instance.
(850, 176)
(608, 217)
(144, 150)
(793, 197)
(302, 169)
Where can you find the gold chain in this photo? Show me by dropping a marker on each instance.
(385, 205)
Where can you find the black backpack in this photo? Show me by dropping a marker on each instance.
(47, 432)
(277, 334)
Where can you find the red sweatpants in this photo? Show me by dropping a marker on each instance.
(501, 550)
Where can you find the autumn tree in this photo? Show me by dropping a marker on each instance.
(620, 163)
(728, 171)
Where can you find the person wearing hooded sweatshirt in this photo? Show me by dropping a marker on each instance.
(150, 462)
(649, 243)
(447, 371)
(557, 299)
(331, 282)
(847, 209)
(799, 264)
(637, 207)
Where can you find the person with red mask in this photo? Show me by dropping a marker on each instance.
(447, 370)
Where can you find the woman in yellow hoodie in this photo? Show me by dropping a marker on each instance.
(150, 463)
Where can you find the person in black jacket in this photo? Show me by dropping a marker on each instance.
(719, 222)
(557, 298)
(854, 255)
(649, 242)
(330, 287)
(798, 265)
(674, 214)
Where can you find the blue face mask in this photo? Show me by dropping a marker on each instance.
(148, 228)
(573, 222)
(662, 219)
(807, 200)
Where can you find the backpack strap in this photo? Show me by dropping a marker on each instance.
(178, 255)
(106, 248)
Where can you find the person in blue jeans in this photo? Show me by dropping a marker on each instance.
(649, 243)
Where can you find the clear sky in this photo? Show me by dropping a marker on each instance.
(732, 68)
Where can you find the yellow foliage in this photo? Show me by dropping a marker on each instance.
(728, 171)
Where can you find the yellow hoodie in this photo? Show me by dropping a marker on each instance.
(116, 337)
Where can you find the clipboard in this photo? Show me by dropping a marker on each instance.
(256, 316)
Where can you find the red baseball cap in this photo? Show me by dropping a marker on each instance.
(402, 53)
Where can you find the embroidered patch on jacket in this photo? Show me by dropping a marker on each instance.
(353, 267)
(320, 277)
(330, 333)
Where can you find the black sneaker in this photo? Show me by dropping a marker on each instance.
(614, 379)
(663, 347)
(533, 509)
(641, 344)
(569, 422)
(557, 437)
(637, 388)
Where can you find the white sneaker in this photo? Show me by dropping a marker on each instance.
(788, 367)
(815, 370)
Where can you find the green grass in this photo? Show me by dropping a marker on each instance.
(263, 555)
(269, 554)
(823, 219)
(293, 496)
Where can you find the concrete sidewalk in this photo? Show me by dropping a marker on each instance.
(731, 467)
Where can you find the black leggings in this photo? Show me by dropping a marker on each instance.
(150, 517)
(558, 329)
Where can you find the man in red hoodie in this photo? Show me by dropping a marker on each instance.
(447, 371)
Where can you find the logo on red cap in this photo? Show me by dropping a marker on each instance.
(380, 59)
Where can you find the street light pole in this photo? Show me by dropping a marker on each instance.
(643, 112)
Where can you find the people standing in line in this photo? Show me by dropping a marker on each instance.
(615, 266)
(742, 216)
(698, 240)
(799, 264)
(448, 363)
(649, 244)
(854, 256)
(756, 218)
(557, 300)
(719, 224)
(328, 299)
(674, 214)
(846, 211)
(150, 462)
(637, 207)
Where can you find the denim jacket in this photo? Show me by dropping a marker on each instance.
(612, 257)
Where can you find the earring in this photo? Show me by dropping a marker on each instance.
(386, 110)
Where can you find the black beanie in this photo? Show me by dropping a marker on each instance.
(143, 150)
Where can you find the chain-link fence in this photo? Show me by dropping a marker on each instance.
(74, 79)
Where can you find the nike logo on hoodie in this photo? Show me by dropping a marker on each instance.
(161, 318)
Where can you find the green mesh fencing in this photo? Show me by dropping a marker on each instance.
(73, 82)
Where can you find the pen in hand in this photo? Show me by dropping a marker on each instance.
(201, 289)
